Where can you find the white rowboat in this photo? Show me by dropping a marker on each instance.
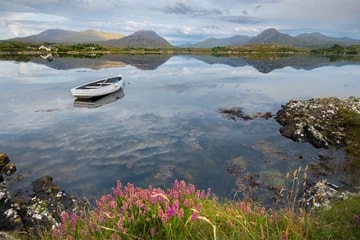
(98, 88)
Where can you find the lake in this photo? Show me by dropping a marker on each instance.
(166, 123)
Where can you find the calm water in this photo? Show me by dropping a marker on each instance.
(165, 126)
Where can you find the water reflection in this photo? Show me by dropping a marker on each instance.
(305, 62)
(152, 62)
(99, 101)
(143, 62)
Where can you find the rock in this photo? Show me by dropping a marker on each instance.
(48, 202)
(9, 217)
(4, 159)
(316, 120)
(322, 193)
(9, 169)
(315, 137)
(41, 209)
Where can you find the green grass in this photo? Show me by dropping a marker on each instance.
(351, 123)
(341, 221)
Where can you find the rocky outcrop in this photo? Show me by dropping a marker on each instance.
(41, 209)
(316, 120)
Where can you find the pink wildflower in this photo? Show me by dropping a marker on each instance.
(117, 192)
(113, 204)
(194, 216)
(197, 195)
(180, 213)
(182, 187)
(191, 188)
(162, 215)
(188, 203)
(64, 217)
(73, 220)
(171, 211)
(208, 193)
(152, 231)
(176, 186)
(101, 219)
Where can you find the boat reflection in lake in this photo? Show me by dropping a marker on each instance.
(96, 102)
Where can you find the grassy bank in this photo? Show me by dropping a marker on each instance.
(183, 212)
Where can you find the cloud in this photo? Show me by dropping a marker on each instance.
(183, 8)
(241, 19)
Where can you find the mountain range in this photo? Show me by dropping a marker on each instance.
(65, 36)
(150, 39)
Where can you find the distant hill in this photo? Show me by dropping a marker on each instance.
(236, 40)
(140, 39)
(64, 36)
(272, 35)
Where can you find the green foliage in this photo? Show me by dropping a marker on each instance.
(351, 123)
(258, 51)
(337, 49)
(341, 221)
(14, 47)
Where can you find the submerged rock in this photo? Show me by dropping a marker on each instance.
(236, 113)
(316, 120)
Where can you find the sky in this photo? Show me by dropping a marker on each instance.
(182, 21)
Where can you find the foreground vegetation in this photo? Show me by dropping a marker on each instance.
(183, 212)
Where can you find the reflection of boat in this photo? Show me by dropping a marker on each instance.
(99, 87)
(99, 101)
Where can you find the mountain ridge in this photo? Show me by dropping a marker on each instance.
(140, 39)
(271, 35)
(150, 39)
